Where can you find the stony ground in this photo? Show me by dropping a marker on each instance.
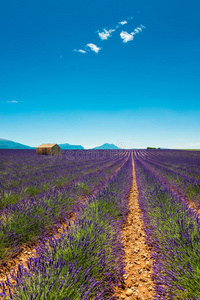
(138, 284)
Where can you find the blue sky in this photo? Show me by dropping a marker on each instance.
(134, 83)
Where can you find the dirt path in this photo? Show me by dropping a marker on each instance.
(138, 284)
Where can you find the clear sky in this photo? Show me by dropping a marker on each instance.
(91, 72)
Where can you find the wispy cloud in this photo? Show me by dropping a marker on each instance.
(126, 37)
(105, 34)
(80, 51)
(123, 22)
(137, 30)
(93, 47)
(12, 101)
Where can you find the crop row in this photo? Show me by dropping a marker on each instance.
(173, 230)
(179, 169)
(86, 261)
(35, 217)
(23, 174)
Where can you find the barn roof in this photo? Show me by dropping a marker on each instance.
(47, 145)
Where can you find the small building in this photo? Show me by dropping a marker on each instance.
(48, 149)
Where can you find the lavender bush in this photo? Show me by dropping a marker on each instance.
(23, 174)
(173, 230)
(32, 218)
(180, 170)
(86, 261)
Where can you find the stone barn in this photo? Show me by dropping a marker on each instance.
(48, 149)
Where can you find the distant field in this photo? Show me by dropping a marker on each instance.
(190, 149)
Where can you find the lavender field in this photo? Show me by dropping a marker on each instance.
(168, 182)
(88, 192)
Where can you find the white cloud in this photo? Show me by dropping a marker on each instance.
(126, 37)
(80, 51)
(93, 47)
(123, 22)
(105, 34)
(12, 101)
(138, 30)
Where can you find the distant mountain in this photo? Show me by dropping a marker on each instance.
(107, 147)
(7, 144)
(70, 147)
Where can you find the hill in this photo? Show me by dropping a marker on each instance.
(7, 144)
(107, 147)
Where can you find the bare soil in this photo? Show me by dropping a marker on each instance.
(138, 284)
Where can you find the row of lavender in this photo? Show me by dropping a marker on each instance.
(23, 174)
(173, 230)
(179, 169)
(86, 262)
(35, 217)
